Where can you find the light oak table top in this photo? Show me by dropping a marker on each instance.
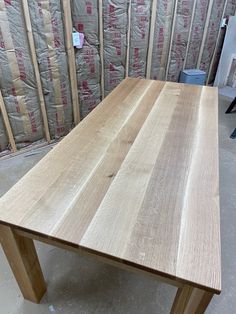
(136, 182)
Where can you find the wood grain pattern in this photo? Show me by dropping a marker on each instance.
(23, 259)
(66, 5)
(136, 182)
(191, 300)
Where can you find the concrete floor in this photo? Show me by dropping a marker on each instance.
(77, 284)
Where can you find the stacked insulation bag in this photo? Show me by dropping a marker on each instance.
(196, 36)
(115, 23)
(180, 38)
(162, 36)
(17, 78)
(48, 30)
(85, 20)
(139, 36)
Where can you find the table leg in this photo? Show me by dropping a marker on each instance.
(190, 300)
(22, 257)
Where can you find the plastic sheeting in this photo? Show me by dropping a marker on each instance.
(180, 38)
(115, 23)
(139, 35)
(48, 31)
(17, 78)
(162, 36)
(85, 20)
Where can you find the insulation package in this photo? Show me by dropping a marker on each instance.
(162, 36)
(48, 31)
(17, 77)
(115, 23)
(85, 20)
(212, 34)
(139, 36)
(196, 35)
(180, 38)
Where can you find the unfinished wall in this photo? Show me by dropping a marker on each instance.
(85, 20)
(139, 35)
(196, 34)
(162, 35)
(212, 34)
(180, 38)
(230, 9)
(186, 34)
(115, 23)
(48, 31)
(17, 78)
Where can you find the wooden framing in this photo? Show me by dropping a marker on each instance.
(36, 68)
(7, 124)
(171, 39)
(71, 59)
(216, 45)
(205, 32)
(100, 12)
(151, 39)
(128, 41)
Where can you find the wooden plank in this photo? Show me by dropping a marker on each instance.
(76, 249)
(216, 45)
(7, 124)
(210, 5)
(36, 68)
(190, 300)
(151, 38)
(171, 38)
(119, 197)
(22, 257)
(71, 59)
(128, 40)
(100, 12)
(123, 227)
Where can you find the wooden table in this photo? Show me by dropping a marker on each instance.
(136, 184)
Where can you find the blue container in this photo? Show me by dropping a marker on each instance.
(193, 76)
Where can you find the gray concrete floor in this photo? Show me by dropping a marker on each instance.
(77, 284)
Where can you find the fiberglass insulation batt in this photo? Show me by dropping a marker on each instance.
(48, 31)
(17, 77)
(162, 35)
(180, 38)
(139, 35)
(85, 20)
(115, 23)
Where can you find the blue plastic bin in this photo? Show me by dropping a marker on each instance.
(193, 76)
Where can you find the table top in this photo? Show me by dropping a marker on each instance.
(136, 181)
